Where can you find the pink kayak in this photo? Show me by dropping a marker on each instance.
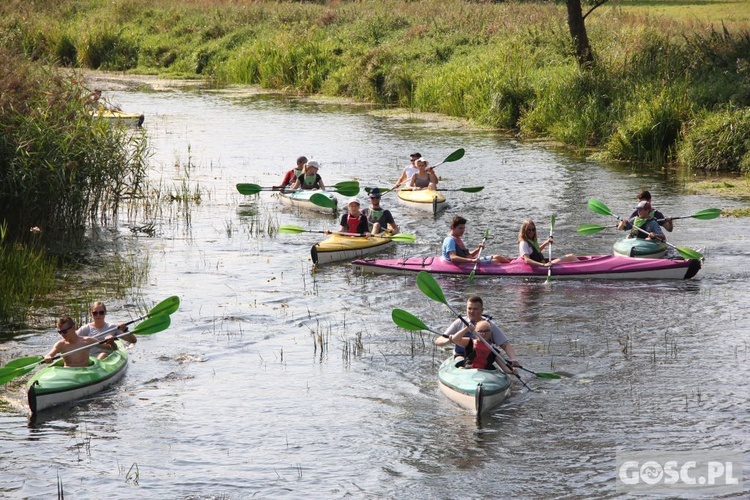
(586, 267)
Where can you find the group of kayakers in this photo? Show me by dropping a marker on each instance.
(89, 334)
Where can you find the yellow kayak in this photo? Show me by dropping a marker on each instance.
(337, 248)
(120, 117)
(423, 199)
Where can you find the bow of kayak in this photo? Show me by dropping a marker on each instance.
(346, 248)
(422, 199)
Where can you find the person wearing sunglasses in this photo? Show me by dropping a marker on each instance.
(530, 251)
(71, 341)
(459, 330)
(98, 327)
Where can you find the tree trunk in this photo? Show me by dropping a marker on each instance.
(577, 27)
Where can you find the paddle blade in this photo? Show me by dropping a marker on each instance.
(248, 189)
(552, 223)
(430, 287)
(407, 321)
(475, 189)
(348, 190)
(166, 306)
(598, 207)
(707, 214)
(456, 155)
(346, 184)
(403, 238)
(18, 368)
(590, 229)
(322, 200)
(547, 375)
(689, 253)
(290, 229)
(153, 325)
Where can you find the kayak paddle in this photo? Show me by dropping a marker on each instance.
(705, 214)
(474, 189)
(400, 237)
(322, 200)
(454, 156)
(408, 321)
(551, 232)
(165, 307)
(479, 254)
(600, 208)
(22, 366)
(427, 284)
(346, 188)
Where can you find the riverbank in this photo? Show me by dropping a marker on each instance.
(660, 92)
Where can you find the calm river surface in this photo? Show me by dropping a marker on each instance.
(239, 398)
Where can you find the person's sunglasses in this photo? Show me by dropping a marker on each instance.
(62, 332)
(98, 313)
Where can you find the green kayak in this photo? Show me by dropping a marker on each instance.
(56, 384)
(639, 247)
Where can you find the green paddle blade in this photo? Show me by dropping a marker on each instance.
(322, 200)
(346, 184)
(475, 189)
(403, 238)
(707, 214)
(166, 306)
(547, 375)
(430, 287)
(291, 229)
(456, 155)
(153, 325)
(590, 229)
(598, 207)
(18, 368)
(348, 190)
(552, 223)
(248, 189)
(688, 253)
(407, 321)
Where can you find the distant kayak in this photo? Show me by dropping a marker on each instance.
(120, 117)
(301, 199)
(339, 248)
(422, 199)
(640, 247)
(586, 267)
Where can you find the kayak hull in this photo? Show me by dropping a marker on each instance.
(301, 199)
(55, 385)
(478, 391)
(640, 247)
(120, 117)
(422, 199)
(610, 267)
(338, 248)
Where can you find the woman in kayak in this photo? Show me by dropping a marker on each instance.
(530, 251)
(425, 178)
(455, 251)
(310, 179)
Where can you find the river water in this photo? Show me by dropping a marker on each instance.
(277, 381)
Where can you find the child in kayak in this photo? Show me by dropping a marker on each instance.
(310, 179)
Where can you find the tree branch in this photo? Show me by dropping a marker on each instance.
(596, 4)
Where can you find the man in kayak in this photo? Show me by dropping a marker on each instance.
(377, 217)
(477, 321)
(310, 179)
(70, 342)
(99, 327)
(650, 229)
(664, 222)
(291, 176)
(408, 172)
(455, 251)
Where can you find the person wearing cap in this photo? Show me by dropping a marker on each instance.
(377, 217)
(310, 179)
(664, 222)
(455, 251)
(408, 172)
(644, 221)
(291, 176)
(425, 177)
(354, 221)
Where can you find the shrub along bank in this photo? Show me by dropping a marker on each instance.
(657, 93)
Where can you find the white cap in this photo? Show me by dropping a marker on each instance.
(353, 200)
(313, 163)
